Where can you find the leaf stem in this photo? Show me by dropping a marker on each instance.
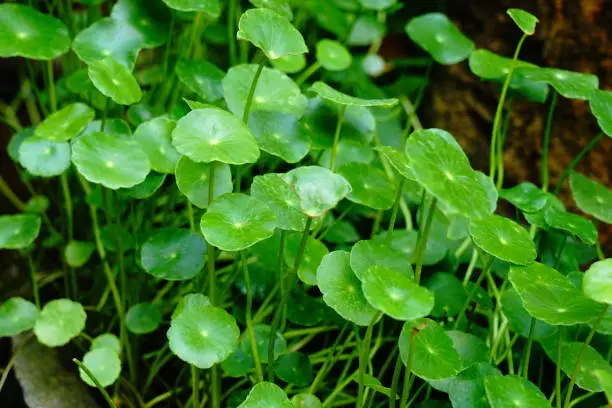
(6, 191)
(249, 320)
(397, 371)
(558, 368)
(249, 101)
(364, 352)
(334, 149)
(215, 379)
(527, 354)
(52, 93)
(93, 378)
(395, 210)
(281, 272)
(307, 73)
(231, 32)
(195, 386)
(408, 371)
(70, 227)
(472, 292)
(575, 162)
(32, 270)
(422, 243)
(546, 143)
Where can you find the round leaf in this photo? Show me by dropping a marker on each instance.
(110, 160)
(16, 316)
(279, 134)
(290, 64)
(210, 134)
(59, 321)
(524, 20)
(115, 81)
(437, 35)
(396, 294)
(365, 254)
(342, 290)
(77, 253)
(28, 33)
(143, 318)
(549, 296)
(371, 186)
(281, 199)
(597, 281)
(601, 106)
(591, 197)
(268, 395)
(271, 33)
(155, 139)
(173, 254)
(201, 77)
(210, 7)
(234, 222)
(43, 157)
(66, 123)
(333, 56)
(512, 390)
(18, 231)
(150, 18)
(449, 294)
(318, 188)
(192, 180)
(294, 368)
(327, 92)
(303, 400)
(104, 364)
(572, 85)
(504, 239)
(108, 341)
(314, 251)
(203, 335)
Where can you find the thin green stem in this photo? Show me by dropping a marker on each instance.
(587, 341)
(335, 221)
(527, 354)
(93, 378)
(11, 362)
(32, 270)
(408, 370)
(397, 372)
(364, 352)
(395, 210)
(249, 320)
(472, 292)
(497, 121)
(10, 195)
(195, 386)
(334, 149)
(558, 367)
(52, 93)
(70, 227)
(307, 73)
(281, 273)
(249, 102)
(422, 244)
(231, 32)
(500, 146)
(215, 379)
(575, 162)
(168, 49)
(546, 143)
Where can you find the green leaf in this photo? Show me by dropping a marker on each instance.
(333, 55)
(303, 400)
(318, 188)
(572, 85)
(294, 368)
(108, 341)
(504, 239)
(59, 321)
(450, 295)
(146, 188)
(290, 64)
(77, 253)
(371, 186)
(524, 20)
(405, 242)
(433, 354)
(314, 251)
(108, 37)
(327, 92)
(210, 7)
(396, 294)
(193, 178)
(66, 123)
(155, 139)
(591, 197)
(342, 290)
(348, 151)
(437, 35)
(110, 160)
(18, 231)
(526, 196)
(16, 316)
(37, 204)
(234, 222)
(28, 33)
(190, 301)
(143, 318)
(262, 340)
(471, 348)
(366, 30)
(377, 4)
(16, 140)
(488, 65)
(549, 296)
(203, 335)
(115, 81)
(605, 380)
(365, 254)
(266, 395)
(443, 169)
(398, 160)
(282, 200)
(573, 224)
(271, 33)
(597, 281)
(149, 18)
(201, 77)
(173, 254)
(43, 157)
(282, 7)
(468, 389)
(104, 364)
(206, 135)
(279, 134)
(520, 320)
(512, 390)
(275, 91)
(601, 107)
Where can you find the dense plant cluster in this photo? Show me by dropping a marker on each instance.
(247, 216)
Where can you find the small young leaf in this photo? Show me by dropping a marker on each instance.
(201, 77)
(268, 395)
(173, 254)
(26, 32)
(235, 222)
(281, 199)
(342, 290)
(212, 8)
(104, 364)
(526, 196)
(504, 239)
(524, 20)
(108, 341)
(115, 81)
(66, 123)
(396, 294)
(597, 281)
(572, 85)
(512, 390)
(155, 139)
(143, 318)
(437, 35)
(110, 160)
(294, 368)
(77, 253)
(327, 92)
(591, 197)
(16, 316)
(193, 179)
(371, 186)
(271, 33)
(43, 157)
(303, 400)
(332, 55)
(365, 254)
(59, 321)
(18, 231)
(601, 106)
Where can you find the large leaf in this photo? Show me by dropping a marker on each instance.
(520, 320)
(155, 139)
(43, 157)
(280, 134)
(18, 231)
(591, 197)
(16, 316)
(115, 81)
(365, 254)
(66, 123)
(450, 295)
(573, 224)
(281, 199)
(525, 196)
(332, 55)
(173, 254)
(504, 239)
(143, 318)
